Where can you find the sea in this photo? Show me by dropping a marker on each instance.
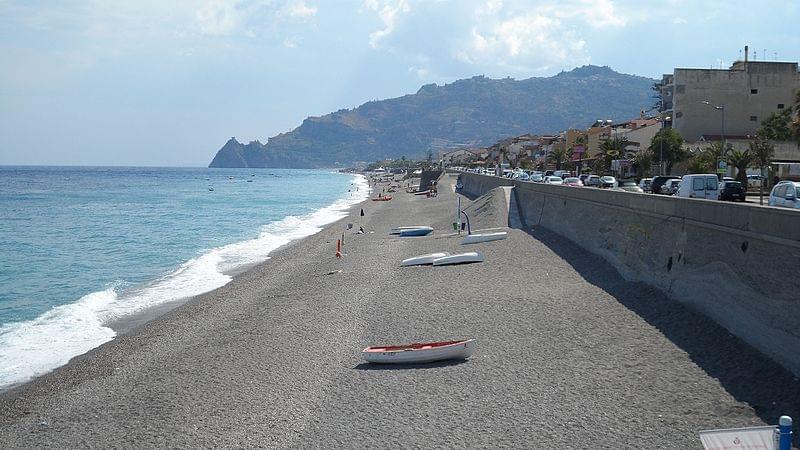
(82, 248)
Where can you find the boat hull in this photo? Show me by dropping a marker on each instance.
(423, 259)
(397, 230)
(461, 258)
(419, 354)
(421, 231)
(483, 237)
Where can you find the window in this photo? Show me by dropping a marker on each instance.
(754, 91)
(679, 114)
(712, 183)
(753, 118)
(697, 184)
(780, 106)
(780, 191)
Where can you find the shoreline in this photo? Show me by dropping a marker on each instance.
(273, 357)
(134, 315)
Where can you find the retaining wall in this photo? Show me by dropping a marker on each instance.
(738, 264)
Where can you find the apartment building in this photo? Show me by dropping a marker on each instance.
(731, 102)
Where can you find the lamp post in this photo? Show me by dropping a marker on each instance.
(720, 108)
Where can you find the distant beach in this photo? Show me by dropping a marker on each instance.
(273, 357)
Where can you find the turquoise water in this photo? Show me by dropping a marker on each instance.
(81, 247)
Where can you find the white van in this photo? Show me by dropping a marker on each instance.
(699, 185)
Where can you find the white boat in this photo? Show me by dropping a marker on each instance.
(420, 353)
(397, 230)
(423, 259)
(483, 237)
(460, 258)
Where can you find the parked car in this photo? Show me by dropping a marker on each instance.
(699, 185)
(553, 180)
(659, 181)
(732, 190)
(583, 177)
(608, 182)
(754, 180)
(629, 186)
(785, 195)
(671, 186)
(573, 181)
(592, 180)
(536, 178)
(645, 184)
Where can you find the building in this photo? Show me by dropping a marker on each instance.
(728, 101)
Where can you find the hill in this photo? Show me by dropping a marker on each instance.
(470, 112)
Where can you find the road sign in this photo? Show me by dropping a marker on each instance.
(722, 166)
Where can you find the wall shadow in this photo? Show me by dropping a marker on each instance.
(748, 375)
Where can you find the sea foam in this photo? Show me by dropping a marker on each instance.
(31, 348)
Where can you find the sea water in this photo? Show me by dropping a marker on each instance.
(85, 247)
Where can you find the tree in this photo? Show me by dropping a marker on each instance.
(762, 151)
(795, 125)
(702, 162)
(558, 156)
(740, 159)
(777, 126)
(643, 162)
(669, 143)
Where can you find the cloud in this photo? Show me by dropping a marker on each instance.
(388, 12)
(218, 18)
(299, 10)
(290, 42)
(530, 42)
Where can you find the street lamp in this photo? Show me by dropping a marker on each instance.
(720, 108)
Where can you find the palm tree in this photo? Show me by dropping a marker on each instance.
(741, 160)
(762, 152)
(702, 162)
(611, 149)
(558, 156)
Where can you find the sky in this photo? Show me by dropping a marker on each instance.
(166, 83)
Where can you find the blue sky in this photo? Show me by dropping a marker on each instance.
(149, 82)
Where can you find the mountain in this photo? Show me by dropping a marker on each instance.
(471, 112)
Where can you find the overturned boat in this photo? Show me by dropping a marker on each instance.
(483, 237)
(460, 258)
(423, 259)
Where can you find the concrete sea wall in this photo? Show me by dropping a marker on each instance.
(738, 264)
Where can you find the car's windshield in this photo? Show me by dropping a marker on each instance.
(732, 184)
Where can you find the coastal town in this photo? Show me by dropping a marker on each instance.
(741, 124)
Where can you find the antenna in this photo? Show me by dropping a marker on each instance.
(740, 54)
(764, 55)
(755, 55)
(776, 56)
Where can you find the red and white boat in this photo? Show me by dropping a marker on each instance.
(420, 353)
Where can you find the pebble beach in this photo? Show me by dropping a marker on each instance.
(569, 354)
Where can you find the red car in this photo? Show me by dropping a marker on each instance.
(573, 181)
